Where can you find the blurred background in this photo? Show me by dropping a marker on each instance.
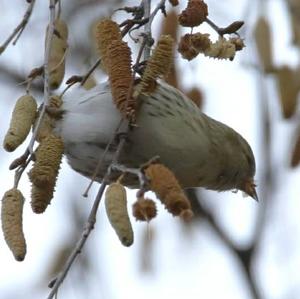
(234, 247)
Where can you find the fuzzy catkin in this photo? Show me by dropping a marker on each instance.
(106, 32)
(120, 75)
(144, 209)
(194, 14)
(116, 210)
(221, 49)
(158, 64)
(58, 47)
(166, 187)
(263, 39)
(287, 81)
(41, 197)
(22, 118)
(45, 170)
(11, 217)
(295, 158)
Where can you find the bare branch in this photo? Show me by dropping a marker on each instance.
(20, 28)
(89, 227)
(46, 74)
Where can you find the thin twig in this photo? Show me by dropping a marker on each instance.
(90, 71)
(135, 171)
(231, 28)
(101, 159)
(20, 170)
(46, 74)
(19, 29)
(89, 227)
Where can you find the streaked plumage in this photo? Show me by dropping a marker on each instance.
(201, 151)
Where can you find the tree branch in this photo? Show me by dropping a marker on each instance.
(19, 29)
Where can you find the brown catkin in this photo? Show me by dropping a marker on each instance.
(190, 45)
(263, 39)
(167, 189)
(238, 43)
(44, 172)
(120, 75)
(106, 32)
(185, 47)
(200, 41)
(58, 47)
(295, 159)
(287, 85)
(22, 118)
(194, 14)
(116, 210)
(170, 27)
(144, 209)
(11, 217)
(158, 64)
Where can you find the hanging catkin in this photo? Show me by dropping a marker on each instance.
(116, 210)
(44, 172)
(166, 187)
(158, 64)
(11, 217)
(106, 31)
(22, 118)
(58, 47)
(263, 39)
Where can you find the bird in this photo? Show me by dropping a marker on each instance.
(199, 150)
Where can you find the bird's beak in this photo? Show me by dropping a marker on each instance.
(250, 189)
(254, 194)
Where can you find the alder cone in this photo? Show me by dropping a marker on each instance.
(194, 15)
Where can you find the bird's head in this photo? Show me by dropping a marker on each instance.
(249, 187)
(246, 183)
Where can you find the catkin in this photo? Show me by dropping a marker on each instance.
(41, 197)
(170, 27)
(116, 61)
(144, 209)
(295, 159)
(287, 85)
(158, 64)
(11, 217)
(194, 14)
(44, 172)
(22, 119)
(106, 32)
(166, 187)
(48, 123)
(221, 49)
(119, 72)
(186, 48)
(57, 53)
(263, 39)
(116, 210)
